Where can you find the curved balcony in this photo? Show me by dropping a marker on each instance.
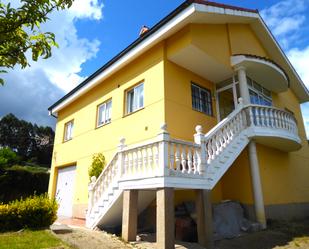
(266, 72)
(273, 127)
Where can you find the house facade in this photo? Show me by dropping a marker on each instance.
(203, 107)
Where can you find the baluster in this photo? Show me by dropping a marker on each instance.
(172, 156)
(271, 118)
(125, 167)
(156, 147)
(145, 159)
(183, 159)
(130, 171)
(150, 155)
(177, 158)
(267, 117)
(256, 117)
(251, 116)
(195, 161)
(140, 161)
(190, 160)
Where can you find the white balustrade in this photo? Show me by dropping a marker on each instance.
(166, 157)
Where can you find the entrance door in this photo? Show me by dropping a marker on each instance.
(65, 190)
(226, 99)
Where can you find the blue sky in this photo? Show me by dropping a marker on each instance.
(93, 31)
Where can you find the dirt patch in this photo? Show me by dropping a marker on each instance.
(82, 238)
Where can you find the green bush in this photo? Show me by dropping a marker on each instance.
(33, 212)
(8, 157)
(98, 164)
(21, 181)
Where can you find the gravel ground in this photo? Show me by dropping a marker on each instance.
(279, 235)
(86, 239)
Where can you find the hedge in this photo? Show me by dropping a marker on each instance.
(21, 181)
(33, 212)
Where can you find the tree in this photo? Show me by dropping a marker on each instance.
(31, 142)
(97, 165)
(20, 31)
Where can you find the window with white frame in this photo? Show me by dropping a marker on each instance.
(201, 99)
(135, 98)
(104, 113)
(68, 130)
(259, 95)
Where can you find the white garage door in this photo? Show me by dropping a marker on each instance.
(65, 190)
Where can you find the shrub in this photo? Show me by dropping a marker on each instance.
(8, 157)
(98, 164)
(33, 212)
(20, 182)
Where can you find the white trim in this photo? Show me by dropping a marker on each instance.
(238, 59)
(283, 55)
(129, 56)
(150, 41)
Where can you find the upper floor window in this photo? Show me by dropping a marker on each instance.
(259, 95)
(68, 131)
(201, 99)
(135, 98)
(104, 113)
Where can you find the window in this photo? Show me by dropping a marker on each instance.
(135, 98)
(104, 113)
(68, 131)
(259, 95)
(201, 99)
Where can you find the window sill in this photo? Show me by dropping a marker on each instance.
(65, 141)
(99, 126)
(129, 114)
(212, 115)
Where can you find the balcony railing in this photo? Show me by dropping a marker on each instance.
(164, 157)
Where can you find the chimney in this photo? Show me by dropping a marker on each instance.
(143, 30)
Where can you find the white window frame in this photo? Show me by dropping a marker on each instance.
(106, 116)
(260, 93)
(208, 103)
(135, 101)
(68, 131)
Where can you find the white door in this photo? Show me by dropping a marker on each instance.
(65, 190)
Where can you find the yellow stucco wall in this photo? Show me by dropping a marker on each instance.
(139, 126)
(168, 99)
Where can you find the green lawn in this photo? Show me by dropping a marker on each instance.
(30, 239)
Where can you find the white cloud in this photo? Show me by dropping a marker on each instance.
(300, 60)
(288, 21)
(86, 9)
(285, 18)
(29, 92)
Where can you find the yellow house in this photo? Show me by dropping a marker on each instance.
(204, 103)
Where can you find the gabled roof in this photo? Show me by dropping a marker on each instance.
(164, 28)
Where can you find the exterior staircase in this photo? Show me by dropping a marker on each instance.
(167, 162)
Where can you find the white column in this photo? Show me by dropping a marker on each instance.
(199, 138)
(256, 185)
(163, 139)
(243, 85)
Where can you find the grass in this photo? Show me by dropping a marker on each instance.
(30, 239)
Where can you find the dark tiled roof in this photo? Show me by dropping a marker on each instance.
(180, 8)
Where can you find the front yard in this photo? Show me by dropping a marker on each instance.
(31, 239)
(279, 235)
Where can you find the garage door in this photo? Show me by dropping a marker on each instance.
(65, 190)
